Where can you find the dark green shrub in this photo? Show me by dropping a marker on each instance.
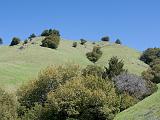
(1, 41)
(49, 79)
(50, 32)
(118, 41)
(51, 41)
(115, 68)
(93, 43)
(25, 42)
(15, 41)
(74, 44)
(106, 38)
(95, 54)
(152, 74)
(8, 107)
(32, 36)
(92, 70)
(150, 54)
(83, 41)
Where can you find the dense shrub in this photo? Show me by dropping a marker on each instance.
(51, 41)
(32, 36)
(115, 68)
(7, 106)
(150, 54)
(152, 74)
(106, 38)
(25, 42)
(50, 32)
(89, 98)
(83, 41)
(15, 41)
(49, 79)
(74, 44)
(118, 41)
(95, 54)
(134, 85)
(92, 70)
(1, 41)
(155, 62)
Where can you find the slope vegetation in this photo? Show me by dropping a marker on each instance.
(20, 64)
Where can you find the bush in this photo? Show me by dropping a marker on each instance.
(106, 38)
(152, 74)
(150, 54)
(25, 42)
(32, 36)
(83, 41)
(134, 85)
(118, 41)
(74, 44)
(49, 79)
(92, 70)
(89, 98)
(51, 41)
(50, 32)
(7, 106)
(115, 68)
(1, 41)
(15, 41)
(95, 54)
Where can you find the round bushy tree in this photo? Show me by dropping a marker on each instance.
(83, 41)
(51, 41)
(74, 44)
(50, 32)
(95, 55)
(106, 38)
(118, 41)
(1, 41)
(115, 68)
(15, 41)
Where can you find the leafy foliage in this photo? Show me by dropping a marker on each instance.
(49, 79)
(83, 41)
(50, 32)
(74, 44)
(15, 41)
(106, 38)
(92, 70)
(118, 41)
(150, 54)
(32, 36)
(51, 41)
(25, 42)
(115, 68)
(95, 54)
(1, 41)
(7, 106)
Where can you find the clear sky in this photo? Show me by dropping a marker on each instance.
(135, 22)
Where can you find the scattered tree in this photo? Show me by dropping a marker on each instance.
(83, 41)
(1, 41)
(106, 38)
(15, 41)
(74, 44)
(118, 41)
(32, 36)
(51, 41)
(25, 42)
(50, 32)
(115, 68)
(95, 54)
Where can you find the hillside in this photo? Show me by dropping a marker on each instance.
(147, 109)
(20, 65)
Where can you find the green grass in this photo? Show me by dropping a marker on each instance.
(147, 109)
(19, 66)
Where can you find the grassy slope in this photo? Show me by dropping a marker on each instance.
(147, 109)
(18, 66)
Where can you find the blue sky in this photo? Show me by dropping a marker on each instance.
(135, 22)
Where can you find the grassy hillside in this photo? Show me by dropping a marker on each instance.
(20, 65)
(147, 109)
